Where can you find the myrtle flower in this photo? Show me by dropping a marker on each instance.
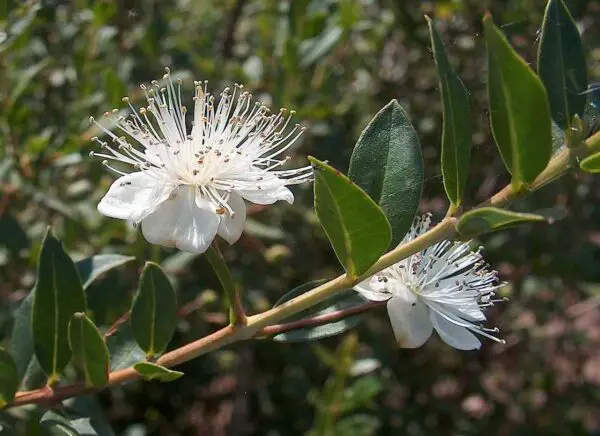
(445, 287)
(188, 185)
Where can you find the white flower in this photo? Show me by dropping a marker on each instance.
(445, 287)
(190, 184)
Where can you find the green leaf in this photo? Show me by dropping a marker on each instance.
(152, 371)
(343, 300)
(487, 219)
(21, 340)
(89, 350)
(93, 267)
(387, 163)
(154, 311)
(457, 130)
(561, 63)
(591, 164)
(356, 227)
(9, 379)
(58, 295)
(519, 109)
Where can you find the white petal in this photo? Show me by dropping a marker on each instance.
(454, 335)
(134, 196)
(267, 195)
(411, 323)
(369, 293)
(230, 228)
(180, 223)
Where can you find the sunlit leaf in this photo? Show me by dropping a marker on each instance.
(519, 111)
(591, 164)
(457, 130)
(357, 228)
(152, 371)
(487, 219)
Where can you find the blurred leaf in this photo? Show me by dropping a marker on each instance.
(153, 311)
(25, 79)
(343, 300)
(152, 371)
(457, 130)
(387, 163)
(89, 350)
(12, 235)
(81, 415)
(361, 393)
(487, 219)
(519, 109)
(58, 295)
(591, 164)
(115, 89)
(93, 267)
(357, 228)
(9, 380)
(313, 50)
(561, 63)
(358, 425)
(6, 164)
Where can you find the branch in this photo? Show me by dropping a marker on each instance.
(256, 324)
(320, 319)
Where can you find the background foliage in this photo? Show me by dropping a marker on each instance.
(337, 63)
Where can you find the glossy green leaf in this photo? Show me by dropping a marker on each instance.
(152, 371)
(387, 163)
(561, 63)
(356, 227)
(591, 164)
(89, 350)
(519, 111)
(343, 300)
(9, 379)
(487, 219)
(154, 311)
(58, 295)
(91, 268)
(456, 130)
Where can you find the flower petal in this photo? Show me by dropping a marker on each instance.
(411, 323)
(231, 227)
(268, 195)
(134, 196)
(454, 335)
(180, 223)
(366, 290)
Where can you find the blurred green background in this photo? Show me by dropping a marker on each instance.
(336, 62)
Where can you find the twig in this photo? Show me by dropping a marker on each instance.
(320, 319)
(255, 324)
